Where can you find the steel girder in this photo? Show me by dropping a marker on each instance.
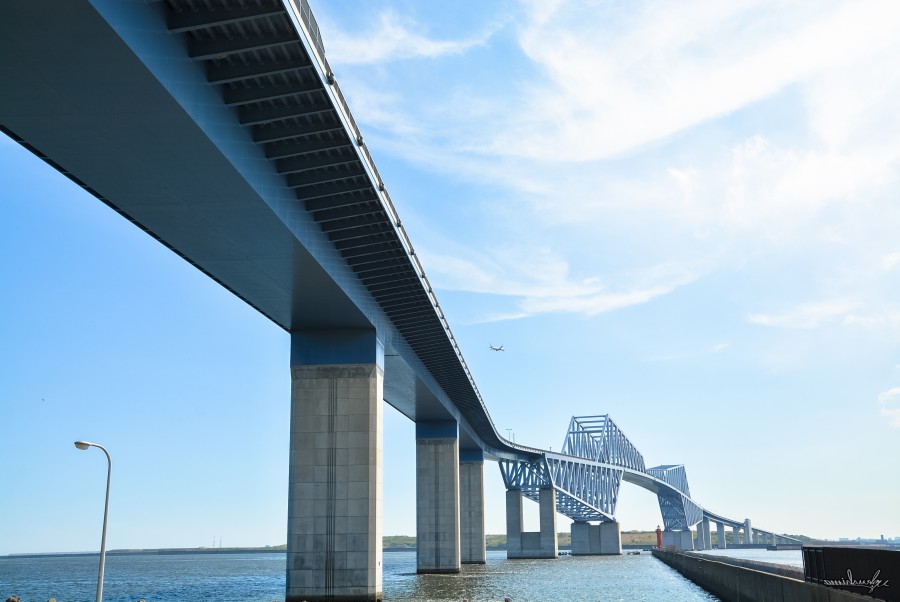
(585, 491)
(596, 457)
(597, 438)
(673, 474)
(679, 512)
(586, 475)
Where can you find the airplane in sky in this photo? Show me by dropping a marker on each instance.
(500, 348)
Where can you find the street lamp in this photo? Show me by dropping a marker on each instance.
(85, 445)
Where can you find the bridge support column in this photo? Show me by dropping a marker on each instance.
(471, 507)
(534, 544)
(707, 535)
(720, 534)
(581, 539)
(549, 542)
(596, 540)
(515, 521)
(700, 540)
(680, 540)
(437, 492)
(610, 538)
(735, 535)
(335, 474)
(748, 531)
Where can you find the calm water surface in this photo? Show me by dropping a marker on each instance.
(260, 578)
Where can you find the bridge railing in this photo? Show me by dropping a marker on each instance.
(311, 27)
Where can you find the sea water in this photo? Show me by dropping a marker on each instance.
(261, 577)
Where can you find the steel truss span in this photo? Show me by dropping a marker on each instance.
(596, 457)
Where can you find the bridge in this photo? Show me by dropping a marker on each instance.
(582, 483)
(219, 129)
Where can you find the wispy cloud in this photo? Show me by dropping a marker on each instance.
(393, 37)
(810, 315)
(542, 282)
(890, 405)
(593, 304)
(836, 314)
(721, 136)
(890, 260)
(625, 77)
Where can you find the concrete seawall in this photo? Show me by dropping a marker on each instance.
(765, 567)
(734, 583)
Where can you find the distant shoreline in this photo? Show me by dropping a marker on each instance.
(393, 543)
(176, 551)
(154, 552)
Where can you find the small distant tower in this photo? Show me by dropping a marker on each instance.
(659, 537)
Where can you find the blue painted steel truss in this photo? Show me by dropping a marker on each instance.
(586, 475)
(596, 457)
(678, 510)
(585, 491)
(597, 438)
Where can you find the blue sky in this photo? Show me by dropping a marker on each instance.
(685, 217)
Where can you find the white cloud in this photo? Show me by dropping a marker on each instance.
(810, 315)
(623, 79)
(890, 405)
(393, 38)
(594, 304)
(542, 283)
(594, 142)
(865, 316)
(890, 260)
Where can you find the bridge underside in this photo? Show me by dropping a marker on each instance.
(220, 134)
(216, 132)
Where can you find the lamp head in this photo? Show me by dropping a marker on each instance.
(82, 444)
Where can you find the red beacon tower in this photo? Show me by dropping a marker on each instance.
(658, 537)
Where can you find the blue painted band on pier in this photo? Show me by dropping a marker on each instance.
(471, 455)
(329, 347)
(437, 430)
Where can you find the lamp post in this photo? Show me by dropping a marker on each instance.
(85, 445)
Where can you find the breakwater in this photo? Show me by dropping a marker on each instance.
(735, 580)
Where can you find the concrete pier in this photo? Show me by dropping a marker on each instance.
(471, 507)
(700, 543)
(720, 533)
(537, 544)
(735, 536)
(335, 471)
(707, 535)
(596, 540)
(437, 498)
(680, 540)
(748, 531)
(549, 542)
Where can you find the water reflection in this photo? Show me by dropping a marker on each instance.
(566, 579)
(261, 578)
